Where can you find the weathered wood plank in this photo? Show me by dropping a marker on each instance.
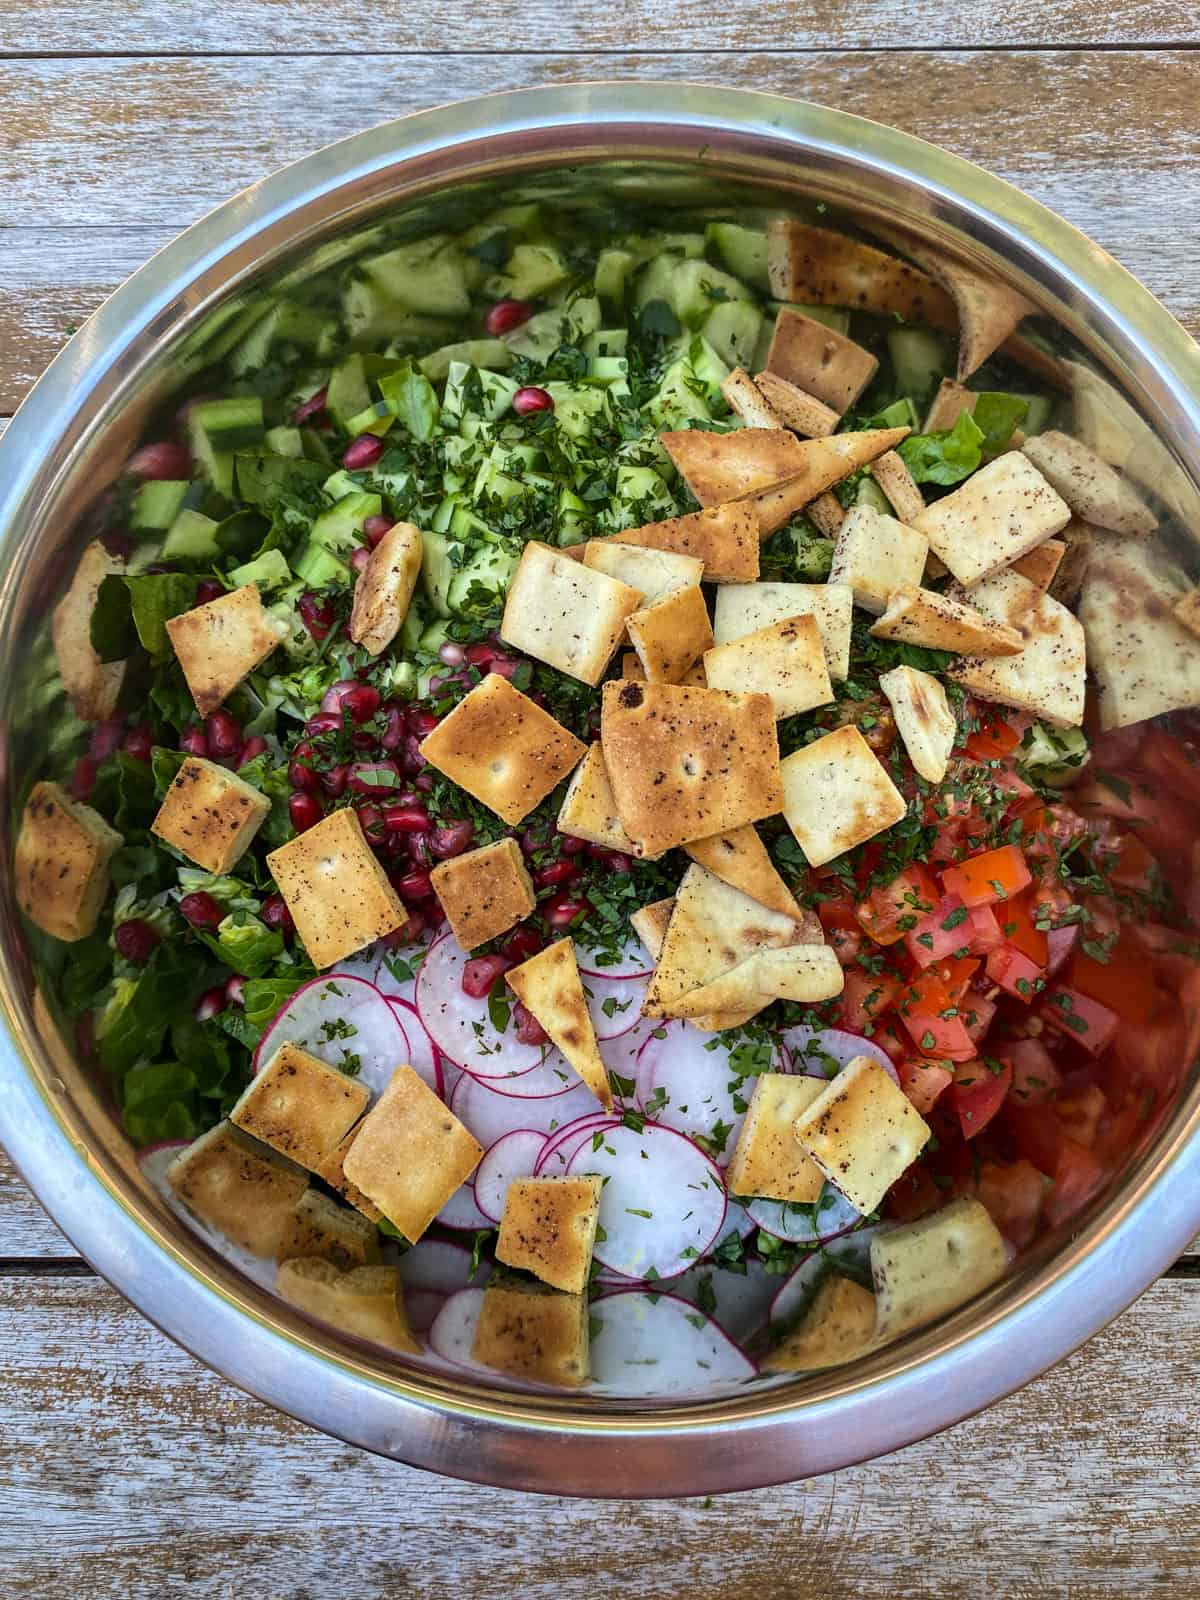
(1078, 1486)
(110, 158)
(154, 26)
(26, 1232)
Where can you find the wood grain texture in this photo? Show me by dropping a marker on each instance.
(106, 159)
(251, 26)
(127, 1471)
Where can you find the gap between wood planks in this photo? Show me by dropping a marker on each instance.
(1048, 46)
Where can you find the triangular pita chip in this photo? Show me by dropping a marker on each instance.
(1093, 490)
(731, 466)
(1049, 676)
(822, 463)
(548, 985)
(725, 538)
(1041, 564)
(650, 924)
(924, 719)
(805, 973)
(785, 660)
(589, 811)
(688, 763)
(1001, 512)
(948, 404)
(654, 573)
(740, 858)
(938, 622)
(815, 266)
(749, 402)
(671, 635)
(1145, 660)
(796, 408)
(713, 928)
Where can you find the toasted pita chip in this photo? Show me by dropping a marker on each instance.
(548, 1227)
(837, 1327)
(863, 1132)
(548, 985)
(1067, 582)
(93, 685)
(725, 538)
(924, 617)
(804, 973)
(568, 615)
(732, 466)
(533, 1333)
(785, 661)
(1093, 490)
(687, 763)
(816, 266)
(650, 924)
(367, 1302)
(1052, 370)
(899, 485)
(385, 587)
(837, 795)
(948, 404)
(671, 635)
(1049, 676)
(999, 513)
(749, 402)
(818, 361)
(926, 1268)
(803, 413)
(632, 669)
(923, 717)
(713, 928)
(61, 863)
(767, 1161)
(740, 858)
(874, 555)
(1187, 611)
(654, 573)
(825, 462)
(826, 514)
(756, 605)
(1040, 565)
(1146, 661)
(589, 810)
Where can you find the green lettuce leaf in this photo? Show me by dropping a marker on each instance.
(245, 943)
(997, 414)
(134, 610)
(410, 395)
(947, 457)
(135, 1020)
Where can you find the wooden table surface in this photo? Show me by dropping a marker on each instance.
(126, 1469)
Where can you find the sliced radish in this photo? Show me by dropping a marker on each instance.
(462, 1213)
(421, 1055)
(648, 1343)
(738, 1302)
(850, 1254)
(336, 1020)
(815, 1051)
(364, 965)
(452, 1332)
(737, 1220)
(461, 1027)
(440, 1265)
(663, 1204)
(421, 1308)
(513, 1156)
(614, 1004)
(693, 1088)
(632, 962)
(490, 1114)
(550, 1078)
(562, 1146)
(832, 1214)
(622, 1057)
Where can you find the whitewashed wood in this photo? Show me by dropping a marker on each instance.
(155, 26)
(127, 1471)
(26, 1232)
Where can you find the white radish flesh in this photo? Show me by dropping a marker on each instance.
(653, 1344)
(344, 1022)
(513, 1156)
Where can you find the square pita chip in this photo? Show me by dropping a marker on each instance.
(752, 606)
(1001, 512)
(333, 1172)
(1095, 491)
(927, 1268)
(874, 555)
(819, 267)
(367, 1302)
(564, 613)
(768, 1161)
(548, 1228)
(939, 622)
(484, 892)
(818, 361)
(838, 1326)
(924, 719)
(671, 635)
(501, 747)
(785, 661)
(300, 1106)
(336, 890)
(729, 466)
(322, 1230)
(548, 985)
(1049, 676)
(589, 810)
(1041, 565)
(221, 642)
(863, 1132)
(687, 763)
(534, 1333)
(740, 858)
(653, 573)
(410, 1154)
(725, 538)
(61, 863)
(210, 815)
(238, 1187)
(837, 794)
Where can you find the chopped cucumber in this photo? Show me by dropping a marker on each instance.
(268, 571)
(348, 391)
(191, 537)
(230, 424)
(732, 330)
(699, 290)
(480, 585)
(494, 395)
(607, 342)
(613, 268)
(483, 353)
(437, 570)
(868, 493)
(1037, 418)
(743, 251)
(156, 505)
(921, 359)
(541, 336)
(657, 281)
(334, 534)
(532, 270)
(284, 441)
(429, 276)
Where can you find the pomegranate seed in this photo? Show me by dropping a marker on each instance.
(233, 990)
(83, 779)
(105, 739)
(556, 872)
(324, 722)
(535, 839)
(223, 734)
(334, 779)
(526, 401)
(160, 462)
(138, 742)
(506, 315)
(569, 845)
(451, 654)
(420, 722)
(251, 750)
(376, 527)
(423, 782)
(193, 741)
(210, 1004)
(415, 885)
(452, 839)
(208, 589)
(407, 933)
(359, 559)
(136, 940)
(529, 1029)
(119, 544)
(276, 915)
(373, 778)
(418, 849)
(362, 701)
(618, 861)
(407, 818)
(370, 819)
(561, 910)
(414, 761)
(393, 733)
(305, 810)
(523, 943)
(480, 975)
(316, 614)
(480, 654)
(301, 772)
(362, 452)
(312, 407)
(201, 910)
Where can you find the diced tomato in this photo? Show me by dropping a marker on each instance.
(1079, 1114)
(1166, 758)
(923, 1008)
(1081, 1018)
(977, 1094)
(1020, 929)
(1051, 904)
(1124, 983)
(1077, 1176)
(889, 1037)
(939, 933)
(1149, 1056)
(992, 740)
(977, 1012)
(985, 930)
(956, 973)
(1035, 1136)
(1035, 1077)
(1009, 781)
(1131, 866)
(885, 913)
(983, 880)
(1059, 944)
(950, 843)
(923, 1081)
(1015, 973)
(865, 998)
(1164, 822)
(1012, 1193)
(842, 931)
(914, 1195)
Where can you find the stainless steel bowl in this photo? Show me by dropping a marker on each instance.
(70, 438)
